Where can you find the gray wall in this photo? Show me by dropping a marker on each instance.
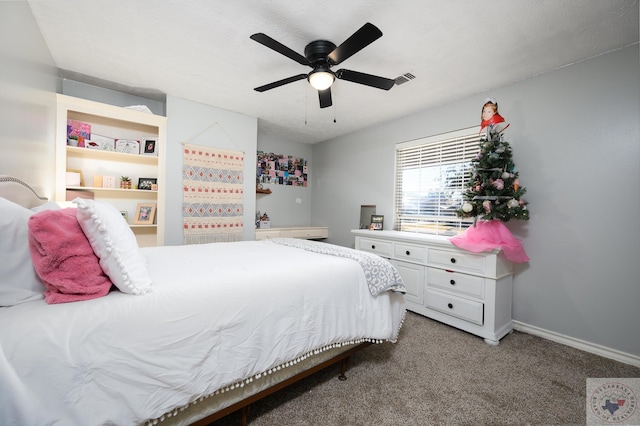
(109, 96)
(575, 135)
(287, 205)
(28, 83)
(206, 125)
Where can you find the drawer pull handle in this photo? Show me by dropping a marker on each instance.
(450, 305)
(407, 252)
(452, 282)
(453, 260)
(373, 247)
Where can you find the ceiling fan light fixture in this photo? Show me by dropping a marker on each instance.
(321, 80)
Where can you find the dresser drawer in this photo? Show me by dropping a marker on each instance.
(409, 252)
(309, 233)
(467, 310)
(379, 247)
(265, 234)
(449, 280)
(457, 261)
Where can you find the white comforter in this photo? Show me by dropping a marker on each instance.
(218, 314)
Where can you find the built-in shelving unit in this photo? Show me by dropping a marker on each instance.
(113, 122)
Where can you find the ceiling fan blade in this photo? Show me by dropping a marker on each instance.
(325, 98)
(280, 82)
(366, 79)
(280, 48)
(358, 41)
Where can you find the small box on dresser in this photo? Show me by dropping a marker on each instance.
(469, 291)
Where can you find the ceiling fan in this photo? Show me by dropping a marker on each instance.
(321, 55)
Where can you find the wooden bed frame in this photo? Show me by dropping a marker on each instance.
(205, 410)
(240, 399)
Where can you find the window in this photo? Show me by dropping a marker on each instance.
(431, 175)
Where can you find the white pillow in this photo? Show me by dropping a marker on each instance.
(18, 279)
(115, 245)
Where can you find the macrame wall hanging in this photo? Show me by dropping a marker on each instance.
(212, 185)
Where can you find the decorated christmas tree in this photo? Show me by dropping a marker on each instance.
(494, 194)
(494, 190)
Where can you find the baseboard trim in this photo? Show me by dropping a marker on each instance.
(578, 344)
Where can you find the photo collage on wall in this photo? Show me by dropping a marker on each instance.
(281, 169)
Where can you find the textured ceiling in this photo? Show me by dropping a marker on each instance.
(201, 50)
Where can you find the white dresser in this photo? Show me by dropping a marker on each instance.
(469, 291)
(304, 232)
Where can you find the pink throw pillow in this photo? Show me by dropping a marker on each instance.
(64, 259)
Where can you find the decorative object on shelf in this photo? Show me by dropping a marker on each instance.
(377, 222)
(494, 193)
(145, 214)
(149, 146)
(77, 132)
(97, 181)
(128, 146)
(213, 194)
(281, 169)
(260, 189)
(72, 194)
(125, 182)
(101, 143)
(74, 178)
(109, 182)
(147, 183)
(265, 222)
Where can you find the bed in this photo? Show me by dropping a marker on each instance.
(169, 335)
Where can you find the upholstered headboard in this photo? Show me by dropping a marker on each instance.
(19, 192)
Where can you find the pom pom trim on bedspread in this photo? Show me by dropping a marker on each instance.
(242, 383)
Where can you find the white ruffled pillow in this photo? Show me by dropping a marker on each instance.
(115, 245)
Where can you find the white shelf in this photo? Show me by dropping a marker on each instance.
(111, 155)
(96, 189)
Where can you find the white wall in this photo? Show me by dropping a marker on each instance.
(206, 125)
(575, 135)
(28, 83)
(287, 205)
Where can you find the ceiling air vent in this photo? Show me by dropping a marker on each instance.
(404, 78)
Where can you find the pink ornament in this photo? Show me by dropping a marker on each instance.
(498, 184)
(487, 206)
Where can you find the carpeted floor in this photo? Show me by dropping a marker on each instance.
(437, 375)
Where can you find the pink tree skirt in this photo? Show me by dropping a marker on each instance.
(489, 235)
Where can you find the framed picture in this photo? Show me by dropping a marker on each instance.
(149, 146)
(128, 146)
(147, 183)
(377, 222)
(145, 214)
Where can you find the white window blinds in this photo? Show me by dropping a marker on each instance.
(431, 175)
